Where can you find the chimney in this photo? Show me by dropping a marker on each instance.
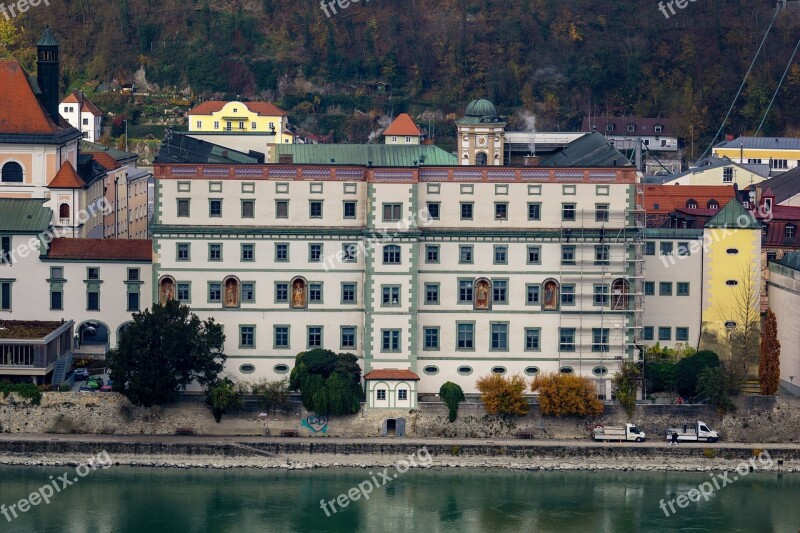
(532, 161)
(729, 137)
(47, 72)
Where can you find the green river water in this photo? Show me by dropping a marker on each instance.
(121, 499)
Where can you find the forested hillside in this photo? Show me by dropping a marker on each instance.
(558, 58)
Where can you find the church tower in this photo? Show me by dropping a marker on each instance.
(481, 135)
(47, 72)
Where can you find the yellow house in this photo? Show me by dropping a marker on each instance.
(780, 153)
(721, 171)
(261, 118)
(731, 276)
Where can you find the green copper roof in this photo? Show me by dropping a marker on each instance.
(23, 215)
(377, 155)
(481, 108)
(733, 215)
(47, 38)
(791, 260)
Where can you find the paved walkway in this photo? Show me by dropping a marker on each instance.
(222, 440)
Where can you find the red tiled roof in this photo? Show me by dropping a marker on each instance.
(87, 106)
(107, 249)
(20, 110)
(403, 125)
(265, 109)
(671, 197)
(105, 160)
(392, 374)
(67, 178)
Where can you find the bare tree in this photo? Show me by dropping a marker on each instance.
(743, 320)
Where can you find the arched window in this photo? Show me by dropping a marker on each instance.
(63, 211)
(619, 295)
(12, 173)
(691, 203)
(713, 204)
(480, 159)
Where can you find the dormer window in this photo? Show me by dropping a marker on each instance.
(713, 204)
(657, 129)
(768, 205)
(631, 128)
(609, 127)
(235, 109)
(790, 232)
(691, 204)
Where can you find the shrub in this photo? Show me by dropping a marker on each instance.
(329, 383)
(222, 397)
(567, 395)
(769, 366)
(718, 383)
(272, 395)
(626, 384)
(689, 369)
(709, 453)
(452, 395)
(29, 391)
(503, 396)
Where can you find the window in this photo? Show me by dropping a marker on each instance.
(248, 208)
(12, 173)
(216, 124)
(349, 209)
(314, 253)
(215, 208)
(600, 294)
(433, 210)
(790, 232)
(568, 212)
(5, 295)
(648, 333)
(682, 334)
(682, 288)
(392, 212)
(466, 210)
(133, 274)
(350, 252)
(568, 294)
(57, 300)
(431, 293)
(199, 124)
(501, 255)
(601, 213)
(683, 249)
(56, 272)
(431, 336)
(649, 288)
(534, 211)
(63, 213)
(391, 340)
(281, 252)
(665, 288)
(315, 209)
(465, 336)
(315, 293)
(433, 188)
(650, 248)
(252, 125)
(93, 300)
(382, 392)
(778, 164)
(666, 248)
(534, 190)
(183, 252)
(390, 296)
(601, 254)
(5, 250)
(570, 190)
(248, 252)
(533, 339)
(772, 256)
(281, 208)
(464, 291)
(499, 332)
(248, 292)
(281, 336)
(465, 253)
(348, 337)
(348, 293)
(431, 253)
(402, 394)
(184, 292)
(600, 339)
(465, 370)
(727, 175)
(567, 254)
(566, 339)
(534, 255)
(93, 273)
(214, 292)
(391, 254)
(500, 211)
(500, 291)
(314, 336)
(532, 294)
(247, 336)
(731, 283)
(467, 188)
(215, 252)
(664, 333)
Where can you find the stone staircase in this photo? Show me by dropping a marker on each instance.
(751, 386)
(61, 369)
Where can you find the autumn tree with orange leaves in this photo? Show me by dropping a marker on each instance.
(769, 366)
(504, 396)
(567, 395)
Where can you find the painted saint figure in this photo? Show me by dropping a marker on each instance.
(551, 295)
(298, 294)
(482, 294)
(231, 293)
(167, 291)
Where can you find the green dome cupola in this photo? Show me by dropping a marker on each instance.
(481, 108)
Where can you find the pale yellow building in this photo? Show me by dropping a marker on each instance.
(260, 118)
(780, 153)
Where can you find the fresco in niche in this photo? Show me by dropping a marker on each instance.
(231, 293)
(550, 300)
(483, 291)
(167, 290)
(298, 294)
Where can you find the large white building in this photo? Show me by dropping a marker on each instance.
(83, 115)
(450, 273)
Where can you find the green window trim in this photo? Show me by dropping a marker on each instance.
(208, 292)
(425, 347)
(275, 345)
(399, 347)
(188, 285)
(507, 336)
(343, 346)
(243, 346)
(538, 339)
(391, 289)
(438, 286)
(275, 292)
(342, 301)
(277, 260)
(241, 252)
(210, 203)
(321, 288)
(178, 246)
(241, 288)
(210, 247)
(244, 201)
(474, 340)
(321, 336)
